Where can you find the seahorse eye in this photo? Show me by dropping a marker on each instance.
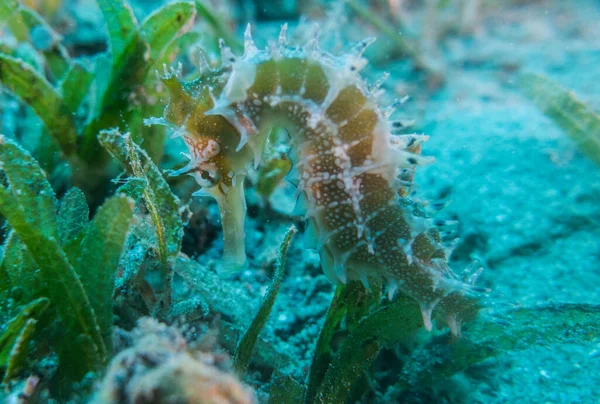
(208, 178)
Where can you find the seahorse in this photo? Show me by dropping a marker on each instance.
(350, 168)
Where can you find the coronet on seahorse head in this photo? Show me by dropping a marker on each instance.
(351, 169)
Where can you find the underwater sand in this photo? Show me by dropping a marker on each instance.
(527, 202)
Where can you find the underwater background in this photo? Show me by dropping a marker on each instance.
(111, 281)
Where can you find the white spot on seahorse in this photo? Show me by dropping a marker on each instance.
(282, 41)
(227, 56)
(211, 150)
(203, 64)
(426, 310)
(250, 49)
(377, 85)
(392, 289)
(388, 111)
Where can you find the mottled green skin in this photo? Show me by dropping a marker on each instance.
(329, 203)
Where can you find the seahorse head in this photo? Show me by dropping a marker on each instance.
(216, 161)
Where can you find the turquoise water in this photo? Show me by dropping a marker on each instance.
(508, 93)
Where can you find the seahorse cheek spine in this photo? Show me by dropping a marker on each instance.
(350, 168)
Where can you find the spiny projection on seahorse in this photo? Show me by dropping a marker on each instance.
(350, 168)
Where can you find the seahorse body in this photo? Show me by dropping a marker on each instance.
(348, 166)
